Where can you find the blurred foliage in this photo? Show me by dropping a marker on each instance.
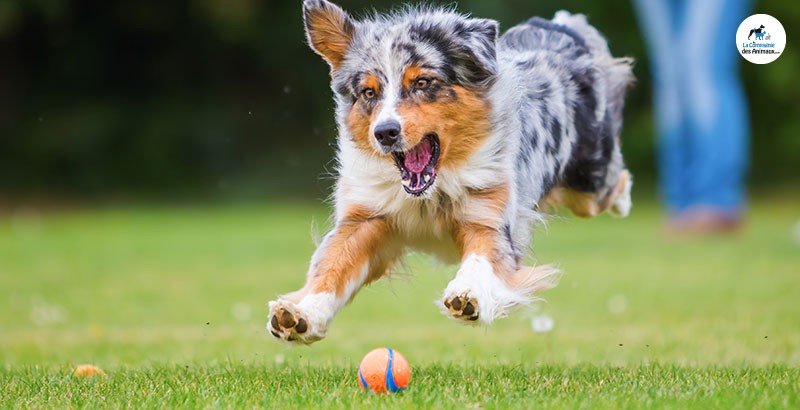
(223, 97)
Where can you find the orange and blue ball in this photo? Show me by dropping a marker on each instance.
(384, 370)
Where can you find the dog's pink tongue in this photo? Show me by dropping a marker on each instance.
(419, 156)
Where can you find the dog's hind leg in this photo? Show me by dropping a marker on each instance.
(617, 199)
(620, 196)
(359, 250)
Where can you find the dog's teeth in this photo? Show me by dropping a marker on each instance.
(427, 178)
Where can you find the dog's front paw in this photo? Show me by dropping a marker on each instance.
(462, 307)
(289, 324)
(467, 297)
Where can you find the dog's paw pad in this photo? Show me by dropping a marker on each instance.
(288, 325)
(463, 308)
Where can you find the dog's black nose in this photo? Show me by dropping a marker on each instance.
(387, 132)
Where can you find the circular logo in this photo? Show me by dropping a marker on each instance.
(760, 39)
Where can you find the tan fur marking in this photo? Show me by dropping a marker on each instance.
(360, 118)
(492, 202)
(582, 204)
(358, 122)
(482, 240)
(330, 33)
(357, 237)
(412, 74)
(371, 81)
(460, 119)
(482, 236)
(475, 238)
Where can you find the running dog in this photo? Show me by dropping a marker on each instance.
(452, 141)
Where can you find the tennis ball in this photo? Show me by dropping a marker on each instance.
(88, 370)
(384, 370)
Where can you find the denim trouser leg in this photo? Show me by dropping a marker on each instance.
(660, 22)
(700, 106)
(718, 122)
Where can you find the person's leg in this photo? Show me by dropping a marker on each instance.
(660, 21)
(718, 118)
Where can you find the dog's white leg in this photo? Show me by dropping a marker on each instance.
(358, 251)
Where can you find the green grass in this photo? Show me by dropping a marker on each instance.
(171, 302)
(452, 386)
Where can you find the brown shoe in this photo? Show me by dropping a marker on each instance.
(704, 220)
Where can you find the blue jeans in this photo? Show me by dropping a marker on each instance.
(701, 109)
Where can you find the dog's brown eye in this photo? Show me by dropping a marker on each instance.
(422, 83)
(368, 93)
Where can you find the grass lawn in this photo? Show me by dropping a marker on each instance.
(171, 303)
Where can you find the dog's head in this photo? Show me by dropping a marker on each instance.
(410, 87)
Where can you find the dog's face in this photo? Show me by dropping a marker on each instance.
(410, 87)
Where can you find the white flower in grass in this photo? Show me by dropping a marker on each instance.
(241, 311)
(279, 359)
(617, 304)
(44, 313)
(542, 323)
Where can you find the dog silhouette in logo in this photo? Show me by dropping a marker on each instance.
(759, 32)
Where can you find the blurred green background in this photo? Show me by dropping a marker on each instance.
(150, 99)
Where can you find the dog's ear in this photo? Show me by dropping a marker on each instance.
(476, 49)
(329, 30)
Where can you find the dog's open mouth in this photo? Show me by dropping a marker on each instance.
(418, 164)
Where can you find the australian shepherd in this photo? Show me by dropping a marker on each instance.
(453, 140)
